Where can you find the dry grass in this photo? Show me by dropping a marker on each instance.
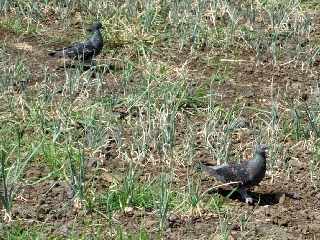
(111, 152)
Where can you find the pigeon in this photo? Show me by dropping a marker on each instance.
(247, 173)
(84, 51)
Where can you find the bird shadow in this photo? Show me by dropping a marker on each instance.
(103, 68)
(260, 199)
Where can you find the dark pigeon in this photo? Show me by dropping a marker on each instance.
(84, 51)
(247, 173)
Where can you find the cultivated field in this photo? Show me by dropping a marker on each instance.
(113, 152)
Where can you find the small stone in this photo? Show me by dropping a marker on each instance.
(314, 227)
(305, 229)
(128, 211)
(64, 230)
(296, 195)
(283, 222)
(282, 198)
(173, 218)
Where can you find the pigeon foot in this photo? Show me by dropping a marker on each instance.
(249, 200)
(245, 196)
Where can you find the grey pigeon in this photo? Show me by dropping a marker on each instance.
(247, 173)
(84, 51)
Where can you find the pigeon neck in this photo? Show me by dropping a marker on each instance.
(96, 38)
(96, 33)
(261, 157)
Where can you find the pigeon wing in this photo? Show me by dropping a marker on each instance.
(229, 173)
(82, 50)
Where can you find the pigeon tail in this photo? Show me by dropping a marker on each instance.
(214, 171)
(57, 53)
(52, 54)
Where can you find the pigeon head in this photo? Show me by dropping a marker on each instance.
(261, 148)
(95, 26)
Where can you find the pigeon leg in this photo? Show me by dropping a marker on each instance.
(245, 196)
